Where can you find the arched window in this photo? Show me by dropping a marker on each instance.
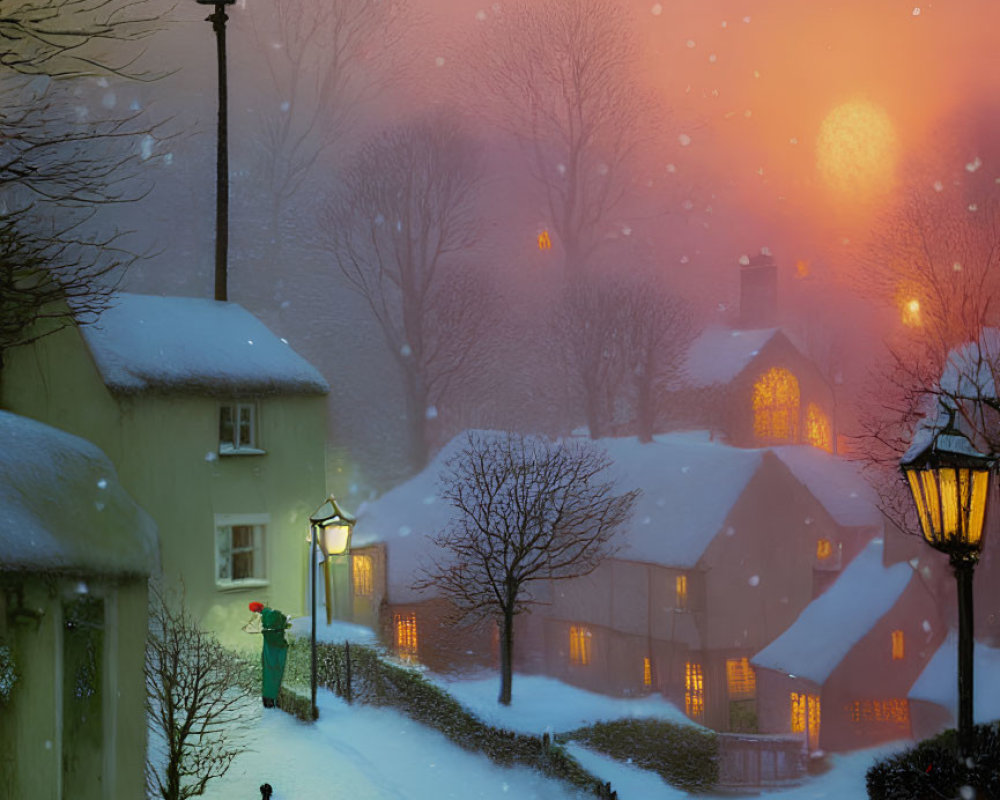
(776, 407)
(819, 433)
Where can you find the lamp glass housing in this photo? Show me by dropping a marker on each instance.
(335, 538)
(951, 505)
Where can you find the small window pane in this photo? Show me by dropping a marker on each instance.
(226, 425)
(243, 565)
(246, 426)
(242, 536)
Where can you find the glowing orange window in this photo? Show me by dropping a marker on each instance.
(694, 691)
(776, 406)
(824, 549)
(579, 645)
(806, 716)
(819, 432)
(894, 712)
(741, 678)
(897, 645)
(682, 592)
(647, 672)
(361, 575)
(406, 635)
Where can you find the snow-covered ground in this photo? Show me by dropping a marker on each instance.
(366, 753)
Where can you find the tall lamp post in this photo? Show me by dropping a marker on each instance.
(330, 529)
(950, 483)
(218, 18)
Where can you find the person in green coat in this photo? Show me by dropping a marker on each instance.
(274, 653)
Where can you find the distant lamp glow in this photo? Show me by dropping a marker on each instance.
(911, 313)
(801, 268)
(544, 241)
(857, 149)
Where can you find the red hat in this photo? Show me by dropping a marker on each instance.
(256, 607)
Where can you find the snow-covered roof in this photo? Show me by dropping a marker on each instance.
(145, 343)
(938, 684)
(689, 484)
(62, 508)
(838, 619)
(719, 354)
(837, 483)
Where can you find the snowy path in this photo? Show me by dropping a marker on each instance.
(365, 753)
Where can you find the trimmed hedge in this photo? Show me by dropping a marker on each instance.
(932, 770)
(682, 755)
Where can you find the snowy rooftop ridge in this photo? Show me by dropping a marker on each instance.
(62, 508)
(672, 523)
(838, 619)
(836, 482)
(146, 343)
(719, 354)
(937, 684)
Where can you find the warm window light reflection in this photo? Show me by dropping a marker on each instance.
(819, 432)
(544, 241)
(824, 549)
(682, 592)
(911, 313)
(406, 635)
(741, 678)
(647, 672)
(895, 711)
(579, 645)
(776, 406)
(897, 645)
(361, 575)
(694, 691)
(806, 716)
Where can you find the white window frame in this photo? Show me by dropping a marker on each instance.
(223, 548)
(239, 445)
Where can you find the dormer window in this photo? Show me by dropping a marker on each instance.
(238, 429)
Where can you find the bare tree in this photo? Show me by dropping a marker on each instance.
(562, 77)
(935, 260)
(624, 338)
(402, 232)
(195, 701)
(529, 510)
(64, 158)
(324, 61)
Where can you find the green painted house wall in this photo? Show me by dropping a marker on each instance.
(74, 725)
(166, 450)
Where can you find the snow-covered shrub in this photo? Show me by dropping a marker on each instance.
(933, 769)
(683, 755)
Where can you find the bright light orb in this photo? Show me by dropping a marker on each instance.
(856, 149)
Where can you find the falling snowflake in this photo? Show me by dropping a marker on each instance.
(657, 9)
(746, 20)
(690, 43)
(684, 139)
(754, 580)
(110, 100)
(938, 186)
(956, 266)
(973, 207)
(439, 61)
(685, 259)
(481, 15)
(671, 168)
(975, 164)
(431, 412)
(793, 140)
(916, 11)
(211, 456)
(405, 351)
(712, 58)
(744, 260)
(687, 205)
(405, 530)
(102, 483)
(561, 169)
(286, 106)
(250, 341)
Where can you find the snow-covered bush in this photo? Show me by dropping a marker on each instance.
(933, 769)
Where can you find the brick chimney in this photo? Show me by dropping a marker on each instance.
(758, 293)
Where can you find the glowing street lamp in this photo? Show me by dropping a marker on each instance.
(950, 483)
(330, 528)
